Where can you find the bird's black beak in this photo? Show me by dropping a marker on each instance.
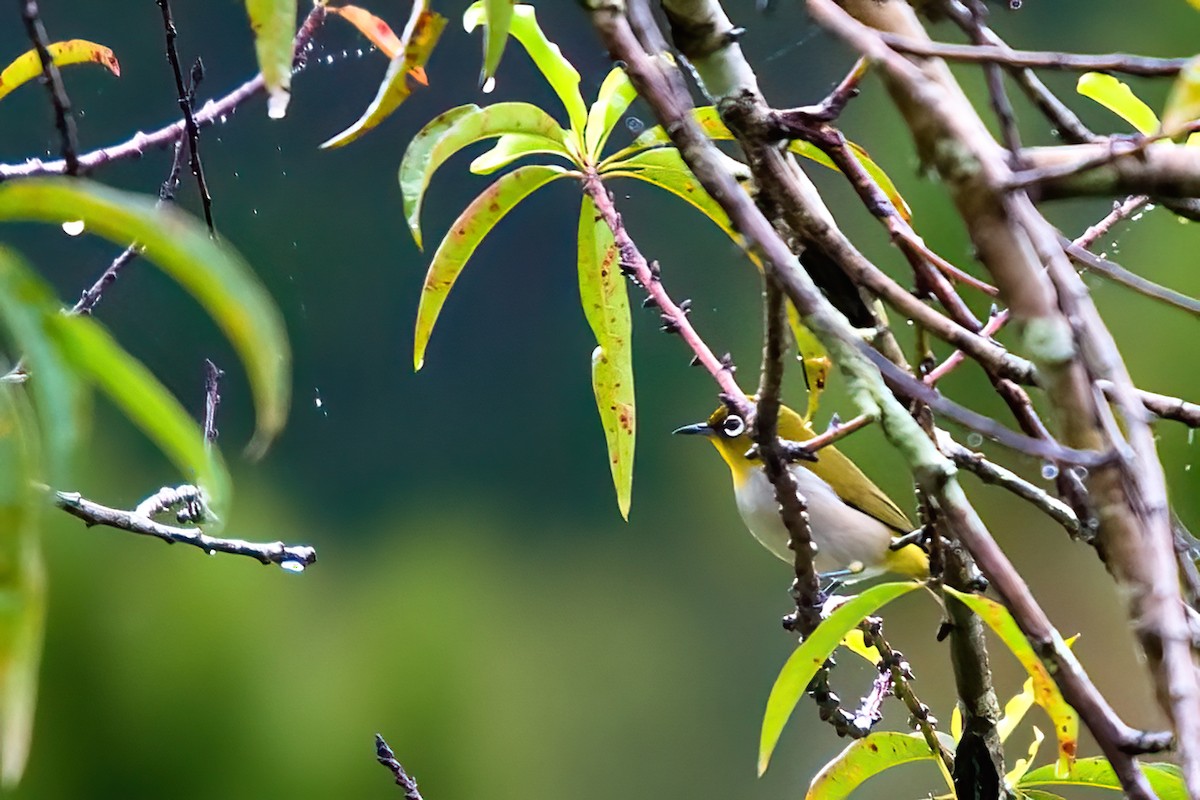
(695, 429)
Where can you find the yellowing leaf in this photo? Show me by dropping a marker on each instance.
(76, 51)
(1183, 103)
(864, 758)
(1046, 693)
(274, 24)
(855, 643)
(605, 303)
(1118, 98)
(417, 41)
(378, 32)
(475, 222)
(1022, 765)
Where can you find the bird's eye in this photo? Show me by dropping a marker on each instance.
(733, 425)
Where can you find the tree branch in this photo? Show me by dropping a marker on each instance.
(63, 118)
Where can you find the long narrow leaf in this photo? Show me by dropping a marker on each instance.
(811, 654)
(1117, 97)
(867, 757)
(474, 223)
(513, 146)
(453, 130)
(605, 303)
(550, 61)
(499, 18)
(214, 274)
(1165, 779)
(274, 23)
(614, 97)
(28, 66)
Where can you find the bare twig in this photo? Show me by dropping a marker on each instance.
(1130, 280)
(212, 400)
(385, 756)
(294, 558)
(63, 119)
(185, 106)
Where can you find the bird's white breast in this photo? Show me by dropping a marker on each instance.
(844, 536)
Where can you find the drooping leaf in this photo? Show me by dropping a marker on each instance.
(274, 24)
(498, 18)
(453, 130)
(1022, 765)
(377, 31)
(26, 305)
(28, 66)
(214, 274)
(614, 97)
(417, 42)
(811, 654)
(867, 757)
(22, 583)
(1183, 103)
(1118, 98)
(1015, 710)
(1046, 693)
(513, 146)
(474, 223)
(606, 305)
(558, 71)
(92, 352)
(1165, 779)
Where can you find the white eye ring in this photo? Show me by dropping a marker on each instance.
(733, 425)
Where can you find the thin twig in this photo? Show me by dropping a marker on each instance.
(63, 118)
(212, 400)
(385, 756)
(1130, 280)
(185, 106)
(294, 558)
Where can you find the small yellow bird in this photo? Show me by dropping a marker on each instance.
(852, 521)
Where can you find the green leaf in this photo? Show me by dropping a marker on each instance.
(867, 757)
(453, 130)
(513, 146)
(606, 305)
(1046, 693)
(1183, 103)
(498, 17)
(614, 97)
(1037, 794)
(474, 223)
(214, 274)
(811, 655)
(26, 305)
(420, 35)
(22, 583)
(1022, 765)
(1165, 779)
(274, 24)
(1118, 98)
(558, 71)
(144, 400)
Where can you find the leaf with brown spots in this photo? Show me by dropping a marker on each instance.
(867, 757)
(422, 32)
(474, 223)
(605, 303)
(28, 66)
(1045, 690)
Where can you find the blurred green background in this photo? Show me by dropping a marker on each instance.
(478, 599)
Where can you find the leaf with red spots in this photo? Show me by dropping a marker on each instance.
(474, 223)
(378, 32)
(1046, 693)
(606, 305)
(867, 757)
(811, 655)
(28, 66)
(422, 32)
(274, 24)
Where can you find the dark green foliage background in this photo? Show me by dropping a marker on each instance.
(478, 599)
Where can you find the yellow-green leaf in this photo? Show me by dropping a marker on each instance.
(1118, 98)
(513, 146)
(811, 655)
(558, 71)
(498, 15)
(605, 303)
(1183, 103)
(855, 643)
(417, 42)
(453, 130)
(614, 97)
(1022, 765)
(274, 24)
(22, 583)
(28, 66)
(1165, 779)
(175, 242)
(1015, 710)
(1046, 693)
(474, 223)
(867, 757)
